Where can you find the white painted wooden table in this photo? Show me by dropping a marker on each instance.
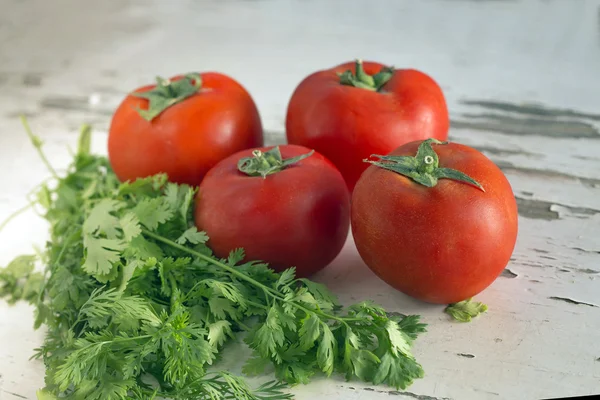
(521, 79)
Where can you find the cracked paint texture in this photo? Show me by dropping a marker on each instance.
(520, 79)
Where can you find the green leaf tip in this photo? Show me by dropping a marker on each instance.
(130, 287)
(84, 142)
(465, 310)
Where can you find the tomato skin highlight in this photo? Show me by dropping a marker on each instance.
(442, 244)
(298, 217)
(347, 124)
(188, 138)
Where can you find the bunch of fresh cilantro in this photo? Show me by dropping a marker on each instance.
(137, 307)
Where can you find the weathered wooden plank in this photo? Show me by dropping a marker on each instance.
(521, 83)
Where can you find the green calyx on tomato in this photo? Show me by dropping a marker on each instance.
(361, 79)
(423, 168)
(267, 163)
(167, 93)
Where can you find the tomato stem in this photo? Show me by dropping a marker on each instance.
(424, 167)
(360, 78)
(267, 163)
(167, 93)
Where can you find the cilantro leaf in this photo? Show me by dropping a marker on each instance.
(218, 332)
(222, 308)
(326, 299)
(130, 225)
(111, 388)
(364, 363)
(101, 254)
(286, 277)
(149, 186)
(399, 341)
(465, 310)
(326, 351)
(256, 365)
(235, 256)
(101, 219)
(143, 248)
(412, 326)
(131, 289)
(228, 290)
(44, 394)
(129, 269)
(44, 196)
(269, 335)
(398, 372)
(296, 372)
(18, 281)
(18, 268)
(111, 303)
(309, 331)
(179, 197)
(152, 212)
(191, 235)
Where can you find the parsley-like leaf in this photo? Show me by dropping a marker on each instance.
(465, 310)
(101, 219)
(286, 277)
(131, 290)
(192, 235)
(235, 256)
(130, 225)
(256, 365)
(101, 254)
(269, 335)
(399, 341)
(218, 332)
(326, 299)
(309, 331)
(412, 326)
(326, 351)
(152, 212)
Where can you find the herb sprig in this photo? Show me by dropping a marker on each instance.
(138, 307)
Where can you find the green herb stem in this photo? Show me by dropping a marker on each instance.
(37, 143)
(15, 214)
(211, 260)
(138, 240)
(272, 292)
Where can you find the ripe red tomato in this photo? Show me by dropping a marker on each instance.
(186, 125)
(441, 241)
(347, 113)
(297, 215)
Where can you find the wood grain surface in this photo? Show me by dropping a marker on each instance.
(522, 84)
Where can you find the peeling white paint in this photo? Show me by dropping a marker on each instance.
(75, 67)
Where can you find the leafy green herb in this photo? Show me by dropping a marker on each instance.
(19, 281)
(465, 310)
(137, 306)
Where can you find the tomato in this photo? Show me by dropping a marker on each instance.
(298, 214)
(348, 113)
(425, 227)
(182, 127)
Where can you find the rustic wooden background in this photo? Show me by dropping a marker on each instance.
(522, 84)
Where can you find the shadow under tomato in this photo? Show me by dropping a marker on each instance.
(352, 281)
